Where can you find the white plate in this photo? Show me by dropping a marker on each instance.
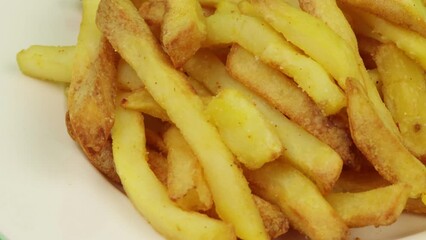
(48, 190)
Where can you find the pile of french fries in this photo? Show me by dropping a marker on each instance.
(226, 119)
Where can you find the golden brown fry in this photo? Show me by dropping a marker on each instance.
(153, 12)
(183, 30)
(409, 13)
(378, 207)
(147, 193)
(316, 159)
(359, 181)
(299, 199)
(158, 164)
(131, 37)
(47, 62)
(415, 206)
(390, 158)
(284, 95)
(404, 92)
(140, 100)
(276, 223)
(256, 36)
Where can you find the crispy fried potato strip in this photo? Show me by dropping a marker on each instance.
(147, 193)
(390, 158)
(131, 37)
(275, 221)
(140, 100)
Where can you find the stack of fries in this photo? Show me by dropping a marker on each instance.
(226, 119)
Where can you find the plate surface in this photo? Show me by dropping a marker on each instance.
(48, 190)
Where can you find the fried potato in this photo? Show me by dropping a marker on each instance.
(257, 37)
(315, 159)
(404, 92)
(140, 100)
(153, 12)
(131, 37)
(390, 158)
(378, 207)
(214, 3)
(284, 95)
(127, 79)
(412, 43)
(147, 193)
(300, 28)
(275, 221)
(183, 30)
(47, 62)
(407, 13)
(227, 7)
(415, 206)
(330, 14)
(185, 178)
(157, 163)
(243, 128)
(299, 199)
(359, 181)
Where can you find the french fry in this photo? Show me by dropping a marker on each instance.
(132, 38)
(404, 92)
(185, 178)
(412, 43)
(127, 79)
(378, 207)
(91, 92)
(47, 62)
(140, 100)
(416, 206)
(359, 181)
(330, 14)
(214, 3)
(300, 28)
(227, 7)
(257, 37)
(153, 12)
(409, 13)
(147, 193)
(284, 95)
(390, 158)
(311, 214)
(158, 164)
(316, 159)
(183, 30)
(275, 221)
(244, 129)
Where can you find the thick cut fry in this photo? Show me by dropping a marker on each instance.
(330, 14)
(140, 100)
(185, 173)
(147, 193)
(131, 37)
(47, 62)
(257, 37)
(284, 95)
(299, 199)
(91, 92)
(412, 43)
(315, 159)
(274, 220)
(390, 158)
(404, 92)
(243, 129)
(127, 78)
(378, 207)
(407, 13)
(183, 30)
(153, 12)
(214, 3)
(313, 36)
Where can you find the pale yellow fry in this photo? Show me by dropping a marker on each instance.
(127, 78)
(378, 207)
(314, 37)
(384, 150)
(316, 159)
(132, 38)
(407, 13)
(257, 37)
(47, 62)
(227, 7)
(404, 92)
(244, 129)
(183, 30)
(140, 100)
(147, 193)
(299, 199)
(185, 178)
(214, 3)
(412, 43)
(330, 14)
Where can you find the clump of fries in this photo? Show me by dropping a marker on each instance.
(237, 119)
